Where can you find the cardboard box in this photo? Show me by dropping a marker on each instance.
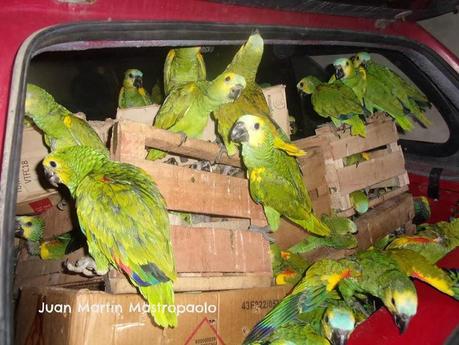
(32, 186)
(277, 102)
(93, 317)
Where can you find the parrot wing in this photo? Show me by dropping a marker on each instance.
(134, 233)
(416, 266)
(168, 70)
(83, 134)
(334, 100)
(175, 106)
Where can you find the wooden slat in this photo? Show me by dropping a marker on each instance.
(371, 172)
(378, 134)
(220, 250)
(196, 191)
(167, 141)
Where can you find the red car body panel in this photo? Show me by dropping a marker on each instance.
(21, 18)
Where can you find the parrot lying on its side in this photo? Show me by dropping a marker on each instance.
(408, 95)
(292, 268)
(341, 237)
(183, 65)
(374, 93)
(433, 241)
(336, 101)
(60, 127)
(327, 325)
(124, 218)
(187, 108)
(132, 93)
(32, 228)
(275, 179)
(252, 100)
(308, 299)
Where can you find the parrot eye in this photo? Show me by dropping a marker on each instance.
(228, 78)
(326, 318)
(53, 164)
(347, 63)
(393, 301)
(256, 125)
(29, 224)
(130, 75)
(301, 84)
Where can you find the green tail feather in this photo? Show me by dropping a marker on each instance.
(422, 118)
(318, 227)
(306, 245)
(360, 201)
(404, 122)
(161, 294)
(153, 154)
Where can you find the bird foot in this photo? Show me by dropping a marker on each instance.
(171, 161)
(183, 138)
(264, 231)
(221, 151)
(86, 266)
(202, 166)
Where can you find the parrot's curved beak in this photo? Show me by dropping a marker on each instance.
(138, 82)
(339, 337)
(339, 73)
(18, 229)
(52, 178)
(235, 91)
(239, 133)
(402, 321)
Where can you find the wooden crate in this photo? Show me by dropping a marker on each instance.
(385, 170)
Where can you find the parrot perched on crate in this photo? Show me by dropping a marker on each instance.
(132, 93)
(341, 237)
(328, 325)
(32, 229)
(183, 65)
(275, 179)
(372, 91)
(356, 159)
(124, 218)
(417, 266)
(413, 100)
(252, 99)
(308, 299)
(359, 201)
(60, 127)
(187, 108)
(336, 101)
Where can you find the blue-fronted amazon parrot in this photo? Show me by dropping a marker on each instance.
(124, 218)
(252, 100)
(60, 127)
(32, 228)
(375, 95)
(132, 93)
(413, 100)
(183, 65)
(187, 108)
(336, 101)
(275, 179)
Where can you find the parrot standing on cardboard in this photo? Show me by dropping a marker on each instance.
(124, 218)
(132, 93)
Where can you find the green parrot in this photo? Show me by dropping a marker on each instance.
(124, 218)
(132, 93)
(32, 229)
(341, 237)
(183, 65)
(359, 201)
(328, 325)
(60, 127)
(187, 108)
(433, 241)
(421, 210)
(251, 100)
(336, 101)
(275, 179)
(409, 96)
(356, 159)
(307, 301)
(292, 268)
(372, 91)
